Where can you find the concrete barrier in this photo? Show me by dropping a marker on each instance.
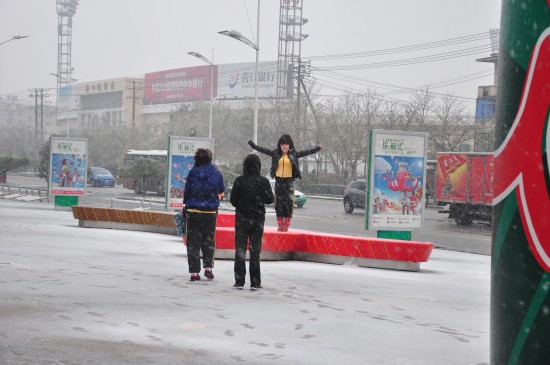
(292, 245)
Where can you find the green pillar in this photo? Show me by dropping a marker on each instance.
(65, 202)
(520, 277)
(394, 235)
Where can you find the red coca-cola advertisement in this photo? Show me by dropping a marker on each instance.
(179, 85)
(465, 178)
(451, 176)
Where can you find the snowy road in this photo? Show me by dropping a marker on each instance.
(76, 295)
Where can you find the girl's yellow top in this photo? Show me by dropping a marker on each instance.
(284, 167)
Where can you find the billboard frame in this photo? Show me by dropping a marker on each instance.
(388, 204)
(181, 153)
(68, 166)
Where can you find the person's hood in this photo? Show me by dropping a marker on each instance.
(204, 172)
(252, 165)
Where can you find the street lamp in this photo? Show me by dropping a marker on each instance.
(68, 81)
(201, 57)
(238, 36)
(14, 38)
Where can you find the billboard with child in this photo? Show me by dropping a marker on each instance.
(68, 166)
(397, 172)
(181, 154)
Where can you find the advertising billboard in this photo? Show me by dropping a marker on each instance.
(452, 170)
(181, 153)
(397, 173)
(178, 85)
(465, 177)
(237, 80)
(68, 166)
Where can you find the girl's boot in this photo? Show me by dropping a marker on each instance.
(280, 223)
(286, 222)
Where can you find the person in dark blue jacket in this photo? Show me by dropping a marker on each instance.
(203, 190)
(251, 192)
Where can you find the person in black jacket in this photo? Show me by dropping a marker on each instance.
(284, 169)
(250, 193)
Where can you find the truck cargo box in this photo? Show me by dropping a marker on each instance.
(465, 180)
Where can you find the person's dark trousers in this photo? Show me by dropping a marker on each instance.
(248, 230)
(284, 197)
(201, 228)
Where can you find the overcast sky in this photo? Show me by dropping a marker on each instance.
(119, 38)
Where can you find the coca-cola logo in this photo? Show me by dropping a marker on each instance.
(521, 162)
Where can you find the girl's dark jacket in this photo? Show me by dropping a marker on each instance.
(251, 191)
(293, 156)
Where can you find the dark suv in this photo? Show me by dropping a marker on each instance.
(355, 195)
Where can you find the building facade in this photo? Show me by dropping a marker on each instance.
(38, 116)
(104, 103)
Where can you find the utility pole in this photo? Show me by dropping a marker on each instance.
(134, 104)
(42, 96)
(38, 94)
(35, 96)
(135, 86)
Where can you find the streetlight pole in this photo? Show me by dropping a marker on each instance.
(14, 38)
(211, 63)
(238, 36)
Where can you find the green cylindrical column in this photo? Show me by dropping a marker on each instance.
(520, 304)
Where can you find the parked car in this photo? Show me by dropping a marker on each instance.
(299, 197)
(355, 195)
(98, 176)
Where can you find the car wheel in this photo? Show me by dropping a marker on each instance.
(299, 205)
(463, 219)
(94, 184)
(348, 206)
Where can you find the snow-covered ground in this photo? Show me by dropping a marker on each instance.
(95, 296)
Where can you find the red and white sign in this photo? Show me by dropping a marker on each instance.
(178, 85)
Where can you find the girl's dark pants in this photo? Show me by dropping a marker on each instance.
(248, 230)
(201, 228)
(284, 197)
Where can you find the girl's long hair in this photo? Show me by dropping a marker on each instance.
(285, 139)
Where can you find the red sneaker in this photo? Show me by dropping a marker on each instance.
(195, 277)
(208, 273)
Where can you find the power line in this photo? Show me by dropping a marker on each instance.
(415, 60)
(410, 48)
(394, 89)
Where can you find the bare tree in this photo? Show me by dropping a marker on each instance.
(453, 126)
(422, 103)
(392, 116)
(20, 141)
(352, 116)
(185, 120)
